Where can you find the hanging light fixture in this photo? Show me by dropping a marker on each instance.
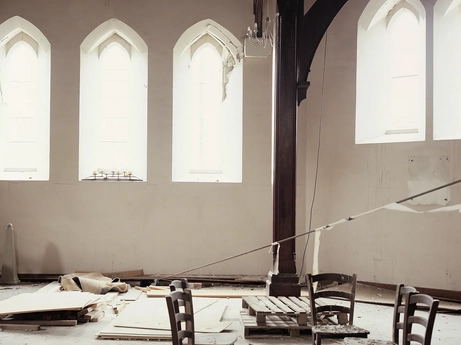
(267, 37)
(261, 36)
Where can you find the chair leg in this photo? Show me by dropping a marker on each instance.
(316, 339)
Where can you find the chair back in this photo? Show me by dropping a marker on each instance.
(335, 286)
(181, 314)
(179, 284)
(426, 307)
(399, 310)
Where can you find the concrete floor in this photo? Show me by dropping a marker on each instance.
(376, 318)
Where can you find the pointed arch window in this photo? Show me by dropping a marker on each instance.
(206, 80)
(391, 73)
(24, 101)
(113, 104)
(207, 106)
(447, 70)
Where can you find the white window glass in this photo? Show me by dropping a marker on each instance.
(206, 102)
(405, 67)
(24, 102)
(447, 70)
(22, 107)
(113, 104)
(115, 98)
(207, 105)
(391, 73)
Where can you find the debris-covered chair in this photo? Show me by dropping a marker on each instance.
(181, 315)
(398, 320)
(332, 305)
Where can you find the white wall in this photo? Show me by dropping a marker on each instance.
(162, 227)
(384, 246)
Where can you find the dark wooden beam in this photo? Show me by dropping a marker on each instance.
(312, 28)
(285, 281)
(297, 38)
(258, 12)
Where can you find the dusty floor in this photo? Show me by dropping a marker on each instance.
(376, 318)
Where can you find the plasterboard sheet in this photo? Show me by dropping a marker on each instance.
(152, 313)
(212, 293)
(41, 302)
(130, 295)
(425, 173)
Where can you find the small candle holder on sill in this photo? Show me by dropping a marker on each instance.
(114, 175)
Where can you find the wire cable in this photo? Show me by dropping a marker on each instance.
(324, 227)
(322, 98)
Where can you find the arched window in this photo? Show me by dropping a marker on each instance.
(207, 106)
(24, 101)
(206, 96)
(391, 73)
(113, 103)
(447, 70)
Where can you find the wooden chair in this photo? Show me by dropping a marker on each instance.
(397, 324)
(325, 305)
(179, 284)
(181, 314)
(425, 318)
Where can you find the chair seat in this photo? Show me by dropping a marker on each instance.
(340, 331)
(365, 341)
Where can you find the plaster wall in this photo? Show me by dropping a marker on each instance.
(420, 249)
(63, 225)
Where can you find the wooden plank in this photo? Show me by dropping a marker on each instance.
(255, 305)
(276, 327)
(286, 307)
(96, 315)
(270, 305)
(40, 322)
(125, 274)
(118, 307)
(21, 327)
(301, 302)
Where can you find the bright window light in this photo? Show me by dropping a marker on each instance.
(25, 57)
(391, 73)
(206, 98)
(113, 104)
(207, 105)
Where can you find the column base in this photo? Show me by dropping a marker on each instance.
(283, 284)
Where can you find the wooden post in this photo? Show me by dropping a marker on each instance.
(296, 41)
(285, 281)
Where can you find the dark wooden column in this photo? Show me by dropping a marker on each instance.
(285, 282)
(296, 41)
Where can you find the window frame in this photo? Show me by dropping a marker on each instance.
(373, 98)
(231, 52)
(92, 50)
(14, 31)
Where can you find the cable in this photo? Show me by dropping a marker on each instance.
(324, 227)
(318, 157)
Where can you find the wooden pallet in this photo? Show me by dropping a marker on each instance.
(275, 327)
(261, 307)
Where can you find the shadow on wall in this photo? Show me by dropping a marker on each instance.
(52, 259)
